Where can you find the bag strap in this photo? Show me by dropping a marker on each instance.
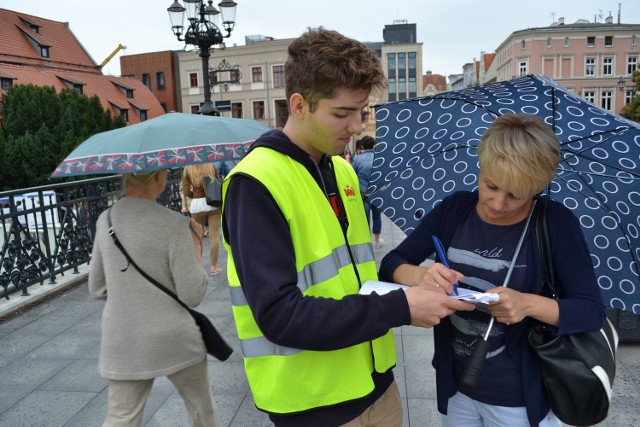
(117, 242)
(544, 247)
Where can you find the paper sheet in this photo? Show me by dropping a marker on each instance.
(382, 288)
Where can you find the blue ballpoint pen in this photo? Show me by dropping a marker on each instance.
(443, 258)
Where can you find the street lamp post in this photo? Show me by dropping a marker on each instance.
(203, 32)
(622, 86)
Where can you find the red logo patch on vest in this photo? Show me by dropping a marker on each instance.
(349, 191)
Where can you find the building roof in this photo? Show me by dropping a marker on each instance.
(68, 64)
(22, 33)
(108, 88)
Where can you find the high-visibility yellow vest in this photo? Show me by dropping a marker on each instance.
(287, 380)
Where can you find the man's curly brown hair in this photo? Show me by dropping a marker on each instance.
(321, 61)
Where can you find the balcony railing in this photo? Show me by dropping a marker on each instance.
(48, 231)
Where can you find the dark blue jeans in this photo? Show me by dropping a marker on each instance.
(373, 217)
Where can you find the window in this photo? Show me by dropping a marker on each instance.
(591, 41)
(589, 95)
(522, 44)
(566, 42)
(278, 76)
(195, 109)
(6, 84)
(146, 80)
(124, 113)
(44, 51)
(78, 88)
(392, 88)
(608, 40)
(282, 112)
(258, 110)
(193, 79)
(605, 99)
(632, 64)
(236, 107)
(590, 67)
(402, 88)
(160, 80)
(402, 63)
(633, 40)
(523, 67)
(129, 93)
(548, 41)
(256, 74)
(413, 89)
(234, 76)
(143, 115)
(391, 65)
(628, 95)
(607, 66)
(412, 60)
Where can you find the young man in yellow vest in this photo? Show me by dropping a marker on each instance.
(316, 352)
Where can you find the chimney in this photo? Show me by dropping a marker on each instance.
(609, 19)
(561, 20)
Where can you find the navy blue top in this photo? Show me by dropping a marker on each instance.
(580, 305)
(264, 257)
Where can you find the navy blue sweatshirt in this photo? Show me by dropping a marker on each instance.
(264, 258)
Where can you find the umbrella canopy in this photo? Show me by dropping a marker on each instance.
(172, 140)
(426, 150)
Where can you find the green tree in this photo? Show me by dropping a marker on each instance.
(629, 111)
(39, 128)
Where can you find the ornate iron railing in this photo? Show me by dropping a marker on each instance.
(48, 230)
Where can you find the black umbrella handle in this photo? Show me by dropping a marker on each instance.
(476, 362)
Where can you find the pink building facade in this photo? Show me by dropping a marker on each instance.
(587, 58)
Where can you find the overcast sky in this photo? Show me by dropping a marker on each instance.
(453, 32)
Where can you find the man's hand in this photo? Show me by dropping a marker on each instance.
(429, 305)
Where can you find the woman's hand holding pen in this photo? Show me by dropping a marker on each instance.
(437, 277)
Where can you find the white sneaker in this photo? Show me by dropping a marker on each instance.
(379, 244)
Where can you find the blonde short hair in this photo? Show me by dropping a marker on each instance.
(522, 152)
(137, 179)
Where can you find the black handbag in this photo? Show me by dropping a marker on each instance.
(578, 369)
(212, 191)
(213, 341)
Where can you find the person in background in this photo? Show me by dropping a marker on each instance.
(145, 333)
(316, 352)
(518, 156)
(193, 188)
(362, 164)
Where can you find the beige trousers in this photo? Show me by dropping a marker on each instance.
(385, 412)
(128, 398)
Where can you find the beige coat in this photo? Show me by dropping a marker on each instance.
(145, 333)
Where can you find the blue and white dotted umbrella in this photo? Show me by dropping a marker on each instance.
(426, 150)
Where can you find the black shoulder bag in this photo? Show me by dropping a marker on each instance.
(212, 191)
(213, 341)
(578, 369)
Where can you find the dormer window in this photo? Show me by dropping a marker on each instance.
(78, 88)
(6, 83)
(129, 93)
(44, 51)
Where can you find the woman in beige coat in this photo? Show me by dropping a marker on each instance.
(145, 333)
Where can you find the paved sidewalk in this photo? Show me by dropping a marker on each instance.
(49, 352)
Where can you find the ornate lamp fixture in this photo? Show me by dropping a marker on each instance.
(203, 31)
